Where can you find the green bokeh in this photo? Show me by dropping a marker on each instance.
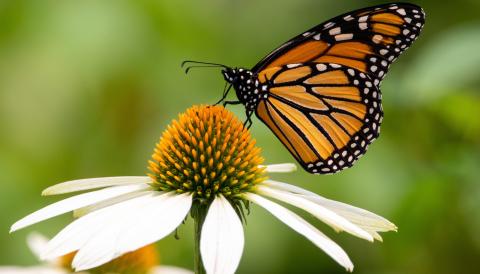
(86, 88)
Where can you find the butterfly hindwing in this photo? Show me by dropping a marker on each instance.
(326, 114)
(368, 40)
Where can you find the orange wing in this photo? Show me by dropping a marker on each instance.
(325, 114)
(368, 40)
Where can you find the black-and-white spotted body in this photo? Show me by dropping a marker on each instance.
(247, 87)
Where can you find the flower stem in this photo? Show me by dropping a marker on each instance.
(198, 219)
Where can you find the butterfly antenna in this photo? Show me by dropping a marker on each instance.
(206, 66)
(198, 64)
(202, 63)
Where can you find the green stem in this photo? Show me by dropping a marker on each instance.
(198, 220)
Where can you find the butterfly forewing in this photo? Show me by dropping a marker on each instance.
(368, 40)
(326, 114)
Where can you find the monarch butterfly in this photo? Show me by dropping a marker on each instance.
(319, 92)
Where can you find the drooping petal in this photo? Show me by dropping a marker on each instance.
(165, 269)
(367, 220)
(304, 228)
(280, 168)
(108, 243)
(102, 246)
(37, 243)
(94, 183)
(75, 202)
(331, 218)
(222, 240)
(156, 221)
(357, 215)
(374, 234)
(98, 235)
(80, 231)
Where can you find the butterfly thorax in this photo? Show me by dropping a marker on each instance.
(246, 85)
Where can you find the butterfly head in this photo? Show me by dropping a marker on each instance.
(244, 82)
(231, 75)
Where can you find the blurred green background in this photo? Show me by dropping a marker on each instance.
(87, 87)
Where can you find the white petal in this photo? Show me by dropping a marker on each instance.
(357, 215)
(37, 243)
(374, 234)
(304, 228)
(280, 168)
(73, 203)
(164, 269)
(288, 187)
(93, 183)
(77, 233)
(365, 219)
(31, 270)
(102, 246)
(158, 220)
(85, 210)
(336, 221)
(221, 243)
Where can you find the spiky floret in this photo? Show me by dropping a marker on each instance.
(207, 151)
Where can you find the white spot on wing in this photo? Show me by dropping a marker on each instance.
(345, 36)
(363, 19)
(377, 38)
(329, 24)
(321, 67)
(401, 12)
(335, 31)
(293, 65)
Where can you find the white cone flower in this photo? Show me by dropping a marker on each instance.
(142, 261)
(207, 165)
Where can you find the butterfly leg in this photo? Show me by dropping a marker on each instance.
(231, 103)
(225, 93)
(248, 122)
